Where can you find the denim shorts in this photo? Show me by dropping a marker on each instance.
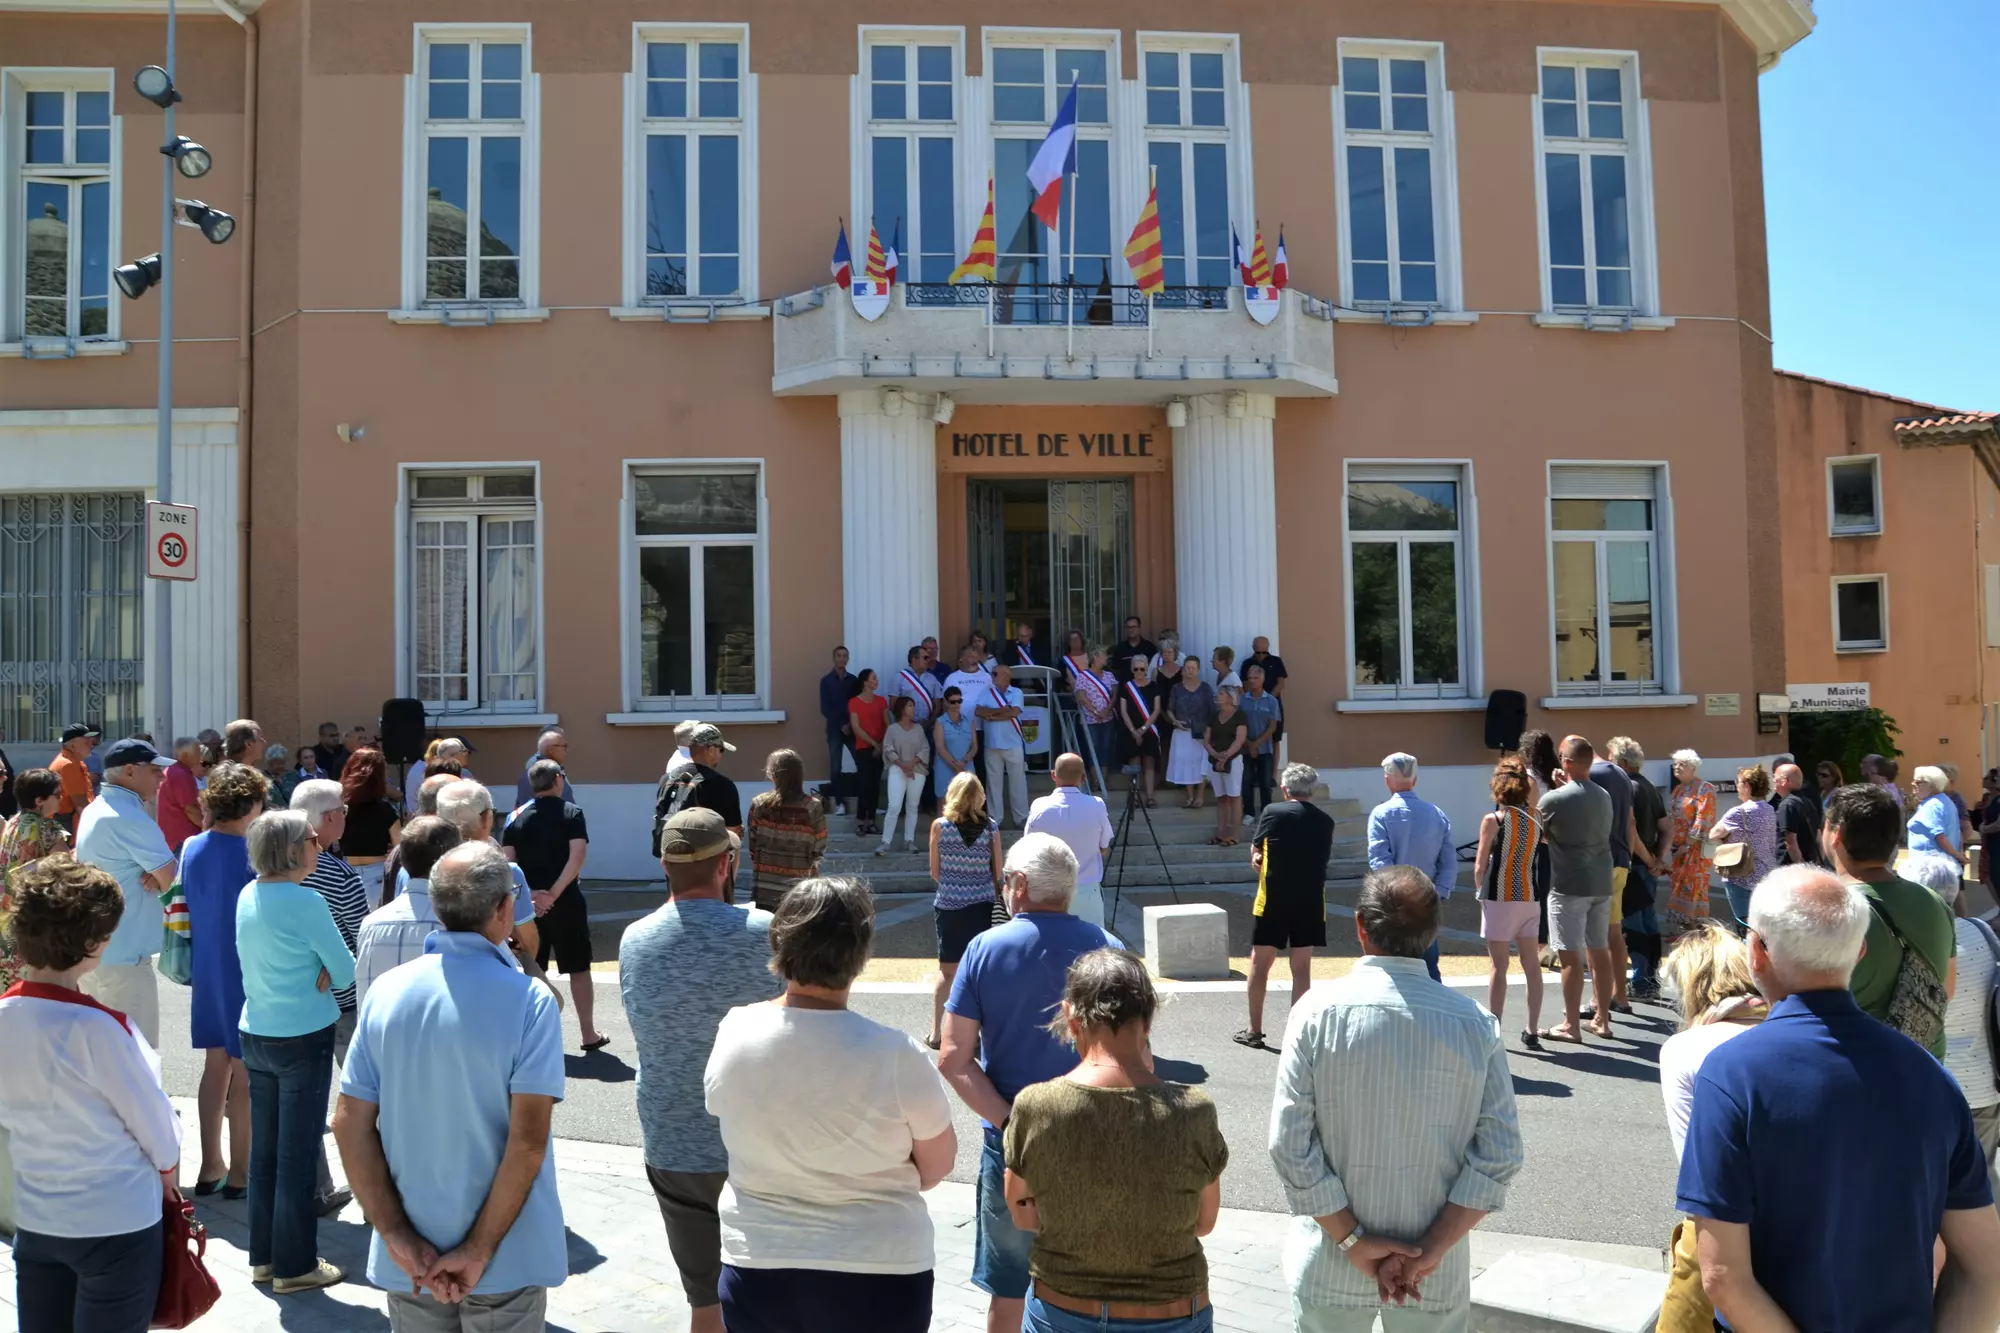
(1042, 1318)
(1000, 1249)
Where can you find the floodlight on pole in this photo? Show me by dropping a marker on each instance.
(213, 223)
(190, 158)
(156, 86)
(138, 277)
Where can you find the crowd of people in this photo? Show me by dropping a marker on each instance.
(390, 947)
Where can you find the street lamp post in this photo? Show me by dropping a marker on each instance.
(185, 157)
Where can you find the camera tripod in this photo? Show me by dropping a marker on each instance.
(1122, 840)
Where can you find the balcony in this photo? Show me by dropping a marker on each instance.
(1052, 342)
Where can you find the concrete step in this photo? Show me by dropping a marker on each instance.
(1565, 1293)
(1192, 849)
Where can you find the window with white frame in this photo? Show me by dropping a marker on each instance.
(1406, 582)
(62, 148)
(1029, 84)
(1861, 614)
(476, 97)
(1394, 124)
(692, 116)
(1854, 496)
(1592, 123)
(1605, 576)
(474, 593)
(1188, 92)
(912, 91)
(699, 559)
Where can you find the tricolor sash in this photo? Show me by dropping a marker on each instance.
(1000, 701)
(919, 689)
(1099, 698)
(1027, 658)
(1145, 710)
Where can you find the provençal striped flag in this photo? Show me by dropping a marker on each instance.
(1142, 252)
(1260, 262)
(878, 263)
(979, 261)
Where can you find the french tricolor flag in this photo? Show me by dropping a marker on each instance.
(1055, 159)
(843, 262)
(1236, 256)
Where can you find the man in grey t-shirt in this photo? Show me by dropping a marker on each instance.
(1576, 824)
(680, 970)
(1617, 784)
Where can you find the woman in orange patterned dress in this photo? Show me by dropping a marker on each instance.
(1693, 807)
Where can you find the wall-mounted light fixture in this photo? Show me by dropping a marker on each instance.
(1237, 405)
(1177, 414)
(350, 434)
(941, 411)
(892, 402)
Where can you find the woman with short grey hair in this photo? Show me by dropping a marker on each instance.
(293, 957)
(325, 808)
(824, 1228)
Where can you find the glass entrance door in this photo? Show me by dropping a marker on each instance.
(1090, 558)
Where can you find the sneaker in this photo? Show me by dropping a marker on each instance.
(324, 1275)
(330, 1205)
(1644, 988)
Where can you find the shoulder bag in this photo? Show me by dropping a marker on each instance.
(187, 1290)
(176, 938)
(1917, 1004)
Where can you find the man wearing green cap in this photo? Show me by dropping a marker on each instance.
(680, 970)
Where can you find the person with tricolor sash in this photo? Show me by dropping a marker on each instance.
(1097, 697)
(999, 707)
(1140, 702)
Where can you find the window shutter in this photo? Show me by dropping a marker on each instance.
(1602, 482)
(1993, 606)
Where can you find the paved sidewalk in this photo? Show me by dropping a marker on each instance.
(622, 1279)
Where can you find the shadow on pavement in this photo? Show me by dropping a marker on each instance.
(1638, 1065)
(1180, 1071)
(583, 1256)
(1540, 1087)
(598, 1067)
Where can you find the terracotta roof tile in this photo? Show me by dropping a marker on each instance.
(1946, 421)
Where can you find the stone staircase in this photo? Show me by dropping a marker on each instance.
(1183, 852)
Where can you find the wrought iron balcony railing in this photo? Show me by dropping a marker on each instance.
(1059, 304)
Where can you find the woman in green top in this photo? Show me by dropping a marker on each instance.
(1116, 1172)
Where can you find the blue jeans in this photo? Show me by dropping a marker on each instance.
(1103, 747)
(836, 746)
(1048, 1319)
(289, 1081)
(1257, 782)
(1000, 1249)
(89, 1284)
(1739, 902)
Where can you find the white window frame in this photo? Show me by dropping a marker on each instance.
(15, 84)
(1874, 464)
(512, 712)
(637, 704)
(866, 127)
(1442, 140)
(1465, 541)
(1233, 135)
(1635, 148)
(1846, 646)
(418, 130)
(1121, 162)
(1665, 686)
(637, 127)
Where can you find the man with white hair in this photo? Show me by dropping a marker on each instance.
(683, 758)
(1007, 988)
(1289, 848)
(1407, 830)
(1576, 826)
(553, 745)
(998, 706)
(443, 1119)
(1084, 825)
(468, 806)
(178, 805)
(1800, 817)
(1827, 1153)
(450, 747)
(116, 834)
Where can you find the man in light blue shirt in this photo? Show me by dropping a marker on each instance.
(443, 1121)
(551, 744)
(1393, 1129)
(998, 706)
(1407, 830)
(116, 834)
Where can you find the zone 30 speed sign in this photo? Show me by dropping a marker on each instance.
(170, 541)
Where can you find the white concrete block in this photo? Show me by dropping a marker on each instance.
(1558, 1293)
(1189, 942)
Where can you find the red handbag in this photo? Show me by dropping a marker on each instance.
(186, 1289)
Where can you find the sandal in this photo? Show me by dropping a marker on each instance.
(1228, 842)
(1550, 1034)
(1529, 1041)
(933, 1042)
(1246, 1037)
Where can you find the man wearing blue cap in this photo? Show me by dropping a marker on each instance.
(117, 834)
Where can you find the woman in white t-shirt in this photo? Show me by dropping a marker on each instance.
(1709, 973)
(835, 1126)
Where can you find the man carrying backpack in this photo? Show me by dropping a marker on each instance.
(699, 786)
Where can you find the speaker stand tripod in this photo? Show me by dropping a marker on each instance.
(1122, 840)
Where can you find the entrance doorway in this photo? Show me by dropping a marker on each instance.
(1052, 552)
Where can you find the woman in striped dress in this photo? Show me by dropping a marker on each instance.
(1508, 906)
(1693, 808)
(965, 862)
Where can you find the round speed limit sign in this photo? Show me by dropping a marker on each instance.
(173, 550)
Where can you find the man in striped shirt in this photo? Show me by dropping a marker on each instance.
(1393, 1128)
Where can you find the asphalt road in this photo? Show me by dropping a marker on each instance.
(1599, 1166)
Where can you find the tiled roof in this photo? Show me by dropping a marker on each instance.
(1949, 421)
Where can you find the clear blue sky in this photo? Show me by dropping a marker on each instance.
(1882, 190)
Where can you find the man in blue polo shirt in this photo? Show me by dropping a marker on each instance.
(1007, 989)
(1827, 1151)
(443, 1121)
